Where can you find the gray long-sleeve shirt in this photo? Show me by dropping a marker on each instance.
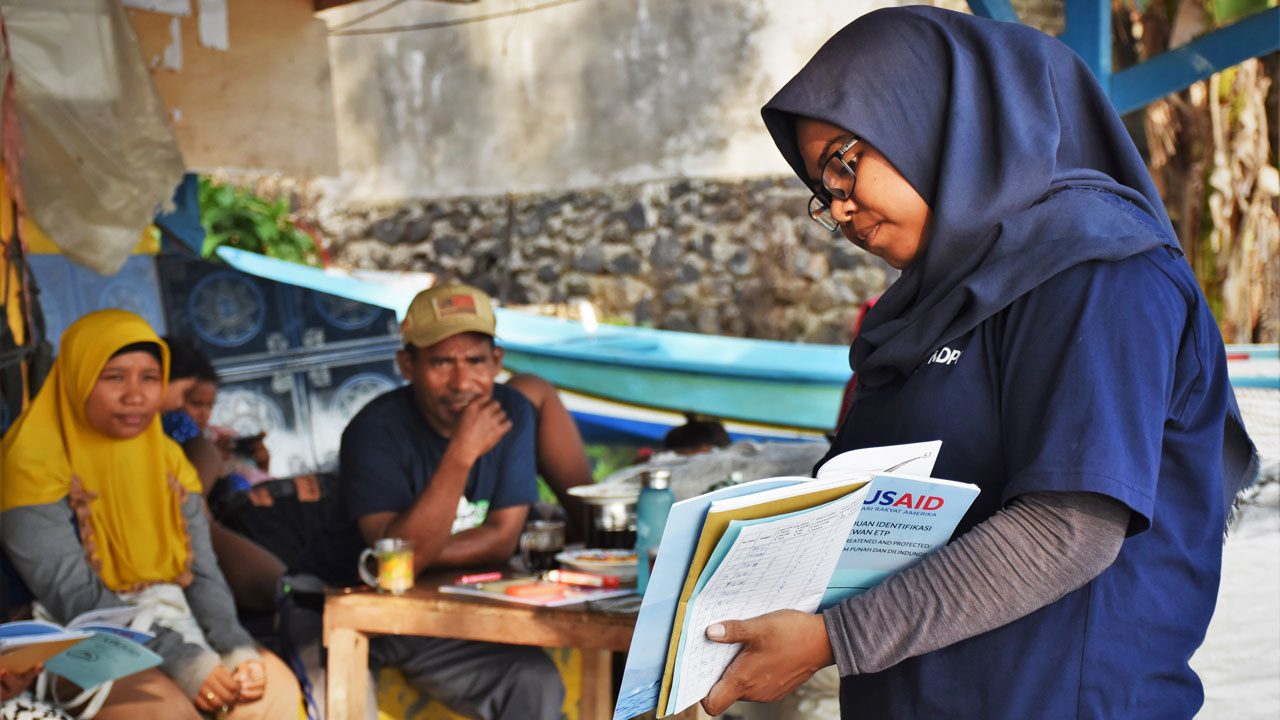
(43, 544)
(1040, 547)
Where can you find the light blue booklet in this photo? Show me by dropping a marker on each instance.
(26, 643)
(104, 656)
(904, 518)
(97, 650)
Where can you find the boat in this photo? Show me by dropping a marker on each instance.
(638, 382)
(634, 381)
(1254, 366)
(768, 383)
(600, 420)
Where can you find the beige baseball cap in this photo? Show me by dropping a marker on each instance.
(443, 311)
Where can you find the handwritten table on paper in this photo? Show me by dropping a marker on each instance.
(765, 565)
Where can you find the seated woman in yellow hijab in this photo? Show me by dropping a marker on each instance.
(101, 509)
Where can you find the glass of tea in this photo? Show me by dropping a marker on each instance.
(541, 541)
(394, 562)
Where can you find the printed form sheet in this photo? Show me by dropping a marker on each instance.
(777, 564)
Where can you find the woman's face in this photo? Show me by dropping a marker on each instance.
(126, 396)
(885, 215)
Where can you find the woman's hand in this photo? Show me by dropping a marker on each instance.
(252, 676)
(780, 651)
(220, 689)
(12, 684)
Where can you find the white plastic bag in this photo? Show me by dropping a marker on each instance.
(96, 154)
(25, 707)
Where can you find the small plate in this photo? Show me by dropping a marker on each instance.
(607, 493)
(619, 563)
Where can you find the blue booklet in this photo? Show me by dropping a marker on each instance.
(103, 656)
(27, 643)
(88, 652)
(903, 518)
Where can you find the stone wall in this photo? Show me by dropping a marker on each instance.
(734, 258)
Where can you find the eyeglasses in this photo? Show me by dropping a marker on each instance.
(838, 181)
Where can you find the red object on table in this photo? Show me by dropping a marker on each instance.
(536, 589)
(480, 577)
(571, 577)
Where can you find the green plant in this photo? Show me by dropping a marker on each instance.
(607, 459)
(235, 217)
(545, 493)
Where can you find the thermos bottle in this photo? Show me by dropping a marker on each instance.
(652, 508)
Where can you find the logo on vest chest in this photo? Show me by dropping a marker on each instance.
(944, 356)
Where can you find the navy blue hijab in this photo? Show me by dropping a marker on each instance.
(1008, 137)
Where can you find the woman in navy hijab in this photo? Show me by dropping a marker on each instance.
(1045, 327)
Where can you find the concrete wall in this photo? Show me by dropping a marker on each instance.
(576, 95)
(440, 99)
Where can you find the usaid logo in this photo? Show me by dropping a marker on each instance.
(892, 499)
(946, 356)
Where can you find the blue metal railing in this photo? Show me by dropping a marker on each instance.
(1088, 32)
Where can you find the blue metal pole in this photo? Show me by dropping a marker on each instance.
(1088, 32)
(1173, 70)
(994, 9)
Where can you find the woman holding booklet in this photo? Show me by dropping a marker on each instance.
(102, 510)
(1047, 328)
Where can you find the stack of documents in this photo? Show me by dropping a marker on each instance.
(774, 544)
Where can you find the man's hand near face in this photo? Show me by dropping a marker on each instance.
(482, 425)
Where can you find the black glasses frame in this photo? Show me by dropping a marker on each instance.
(820, 205)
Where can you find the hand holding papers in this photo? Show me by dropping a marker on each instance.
(760, 566)
(722, 551)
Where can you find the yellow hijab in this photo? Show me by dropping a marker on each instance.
(135, 534)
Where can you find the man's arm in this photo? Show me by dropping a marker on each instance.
(561, 459)
(428, 522)
(494, 541)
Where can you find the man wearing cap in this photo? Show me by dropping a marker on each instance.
(446, 462)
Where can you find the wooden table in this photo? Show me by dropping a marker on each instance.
(350, 616)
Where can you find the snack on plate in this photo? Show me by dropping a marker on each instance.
(617, 563)
(609, 556)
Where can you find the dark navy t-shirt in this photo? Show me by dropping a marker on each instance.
(1108, 378)
(389, 454)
